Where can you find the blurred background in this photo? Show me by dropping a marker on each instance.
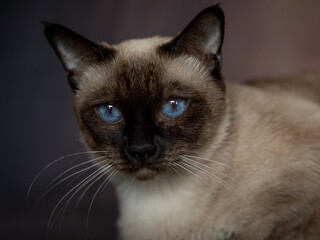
(37, 125)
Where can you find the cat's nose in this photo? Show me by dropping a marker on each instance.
(142, 152)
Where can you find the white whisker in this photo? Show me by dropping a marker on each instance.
(92, 175)
(66, 178)
(191, 172)
(203, 165)
(214, 177)
(73, 167)
(104, 171)
(105, 182)
(209, 160)
(93, 180)
(57, 160)
(176, 170)
(208, 174)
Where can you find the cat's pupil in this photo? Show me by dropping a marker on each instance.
(173, 104)
(110, 107)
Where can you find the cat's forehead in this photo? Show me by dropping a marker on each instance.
(147, 52)
(139, 67)
(140, 47)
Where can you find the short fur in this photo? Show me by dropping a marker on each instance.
(242, 162)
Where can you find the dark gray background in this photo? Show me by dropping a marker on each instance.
(263, 38)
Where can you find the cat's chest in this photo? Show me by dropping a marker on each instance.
(157, 212)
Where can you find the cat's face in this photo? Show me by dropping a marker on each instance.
(143, 103)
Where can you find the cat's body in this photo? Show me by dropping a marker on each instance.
(224, 161)
(273, 151)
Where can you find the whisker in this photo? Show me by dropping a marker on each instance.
(213, 169)
(185, 150)
(176, 170)
(214, 177)
(66, 178)
(188, 170)
(73, 167)
(64, 207)
(80, 174)
(207, 173)
(209, 160)
(93, 180)
(105, 182)
(104, 171)
(57, 160)
(70, 191)
(61, 211)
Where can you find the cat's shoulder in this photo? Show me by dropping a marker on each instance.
(281, 106)
(304, 85)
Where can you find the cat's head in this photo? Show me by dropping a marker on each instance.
(145, 102)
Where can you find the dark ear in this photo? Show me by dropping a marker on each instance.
(202, 38)
(75, 52)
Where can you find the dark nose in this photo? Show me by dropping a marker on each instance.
(142, 153)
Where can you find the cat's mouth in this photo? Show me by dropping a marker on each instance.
(145, 173)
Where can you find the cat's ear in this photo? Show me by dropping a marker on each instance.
(75, 52)
(203, 37)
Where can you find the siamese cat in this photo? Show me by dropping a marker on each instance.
(191, 155)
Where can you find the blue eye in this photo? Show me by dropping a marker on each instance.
(109, 113)
(174, 108)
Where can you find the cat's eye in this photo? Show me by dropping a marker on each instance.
(109, 113)
(174, 108)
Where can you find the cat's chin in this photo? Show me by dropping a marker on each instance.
(144, 174)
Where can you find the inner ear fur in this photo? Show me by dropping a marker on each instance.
(202, 38)
(74, 51)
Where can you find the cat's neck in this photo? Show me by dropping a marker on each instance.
(152, 207)
(160, 203)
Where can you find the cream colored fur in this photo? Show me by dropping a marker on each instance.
(271, 141)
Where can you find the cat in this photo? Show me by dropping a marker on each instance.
(191, 155)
